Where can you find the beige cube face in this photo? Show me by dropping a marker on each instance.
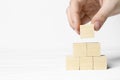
(87, 31)
(93, 49)
(79, 49)
(86, 63)
(72, 63)
(100, 63)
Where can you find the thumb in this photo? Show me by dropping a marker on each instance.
(101, 16)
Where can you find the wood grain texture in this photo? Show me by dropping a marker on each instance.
(79, 49)
(100, 63)
(93, 49)
(87, 31)
(72, 63)
(86, 63)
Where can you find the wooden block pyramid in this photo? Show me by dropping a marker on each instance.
(86, 55)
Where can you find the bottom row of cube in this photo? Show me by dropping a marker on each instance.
(86, 63)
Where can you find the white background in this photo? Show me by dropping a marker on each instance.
(35, 37)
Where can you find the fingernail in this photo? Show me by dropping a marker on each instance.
(75, 21)
(97, 25)
(76, 30)
(73, 28)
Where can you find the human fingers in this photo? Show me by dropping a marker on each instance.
(101, 16)
(75, 9)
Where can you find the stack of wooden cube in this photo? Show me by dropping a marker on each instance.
(86, 55)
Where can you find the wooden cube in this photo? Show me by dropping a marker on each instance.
(93, 49)
(79, 49)
(72, 63)
(86, 63)
(87, 31)
(100, 63)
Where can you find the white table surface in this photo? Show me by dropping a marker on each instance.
(50, 65)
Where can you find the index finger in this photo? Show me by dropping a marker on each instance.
(75, 10)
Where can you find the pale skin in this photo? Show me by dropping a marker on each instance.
(80, 12)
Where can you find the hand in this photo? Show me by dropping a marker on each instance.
(81, 12)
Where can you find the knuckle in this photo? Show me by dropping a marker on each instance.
(103, 17)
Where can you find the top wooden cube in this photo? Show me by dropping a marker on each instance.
(87, 31)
